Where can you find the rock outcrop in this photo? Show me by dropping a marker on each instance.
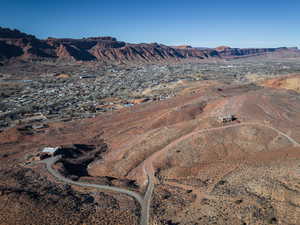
(15, 44)
(228, 52)
(240, 52)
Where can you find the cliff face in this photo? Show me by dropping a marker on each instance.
(15, 44)
(227, 52)
(240, 52)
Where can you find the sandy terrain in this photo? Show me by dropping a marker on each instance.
(287, 82)
(204, 171)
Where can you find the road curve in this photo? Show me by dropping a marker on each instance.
(147, 165)
(50, 161)
(145, 201)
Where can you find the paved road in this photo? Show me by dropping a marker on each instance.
(145, 201)
(145, 212)
(50, 161)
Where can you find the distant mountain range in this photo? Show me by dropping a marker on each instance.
(15, 44)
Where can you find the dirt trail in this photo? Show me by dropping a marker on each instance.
(148, 169)
(148, 163)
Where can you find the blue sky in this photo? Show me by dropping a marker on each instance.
(210, 23)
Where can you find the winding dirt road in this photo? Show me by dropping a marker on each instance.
(147, 166)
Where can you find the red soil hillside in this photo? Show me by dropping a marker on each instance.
(206, 168)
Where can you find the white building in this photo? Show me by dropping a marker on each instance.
(50, 150)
